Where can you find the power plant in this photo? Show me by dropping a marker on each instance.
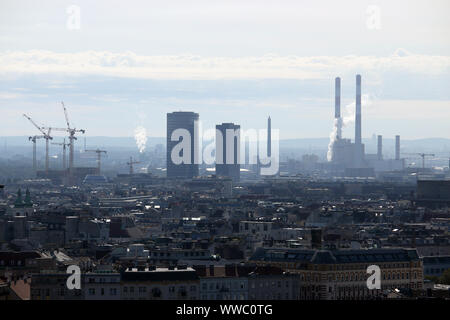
(349, 158)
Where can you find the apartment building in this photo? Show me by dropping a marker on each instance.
(151, 283)
(342, 274)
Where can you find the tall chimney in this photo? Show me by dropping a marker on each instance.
(358, 111)
(337, 105)
(397, 147)
(380, 148)
(269, 137)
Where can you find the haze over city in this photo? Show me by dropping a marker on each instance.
(215, 159)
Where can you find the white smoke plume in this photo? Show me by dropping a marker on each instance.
(347, 118)
(140, 135)
(333, 137)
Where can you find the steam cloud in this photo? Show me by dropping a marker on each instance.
(140, 135)
(347, 118)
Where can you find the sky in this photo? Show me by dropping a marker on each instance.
(119, 65)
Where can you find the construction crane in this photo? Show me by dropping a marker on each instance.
(422, 155)
(72, 138)
(131, 164)
(33, 139)
(64, 145)
(99, 156)
(46, 136)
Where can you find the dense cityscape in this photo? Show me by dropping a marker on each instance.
(141, 226)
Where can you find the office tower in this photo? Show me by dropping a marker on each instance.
(337, 106)
(397, 147)
(380, 148)
(187, 121)
(228, 139)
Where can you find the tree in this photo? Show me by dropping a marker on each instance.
(445, 277)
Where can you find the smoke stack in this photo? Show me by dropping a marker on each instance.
(269, 137)
(397, 147)
(358, 111)
(337, 105)
(380, 148)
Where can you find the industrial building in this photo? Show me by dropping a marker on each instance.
(349, 158)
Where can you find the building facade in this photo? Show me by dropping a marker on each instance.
(186, 121)
(342, 274)
(228, 150)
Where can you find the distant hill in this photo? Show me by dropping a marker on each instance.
(436, 145)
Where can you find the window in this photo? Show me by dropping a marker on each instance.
(113, 291)
(91, 291)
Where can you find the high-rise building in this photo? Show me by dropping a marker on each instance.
(228, 164)
(187, 121)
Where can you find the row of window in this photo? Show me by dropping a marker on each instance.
(359, 276)
(223, 284)
(104, 280)
(12, 262)
(435, 270)
(186, 254)
(143, 289)
(93, 291)
(381, 265)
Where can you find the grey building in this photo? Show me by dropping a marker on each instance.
(186, 121)
(180, 283)
(435, 265)
(227, 164)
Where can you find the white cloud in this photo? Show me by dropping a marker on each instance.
(129, 64)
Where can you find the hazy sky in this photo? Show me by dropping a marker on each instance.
(122, 64)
